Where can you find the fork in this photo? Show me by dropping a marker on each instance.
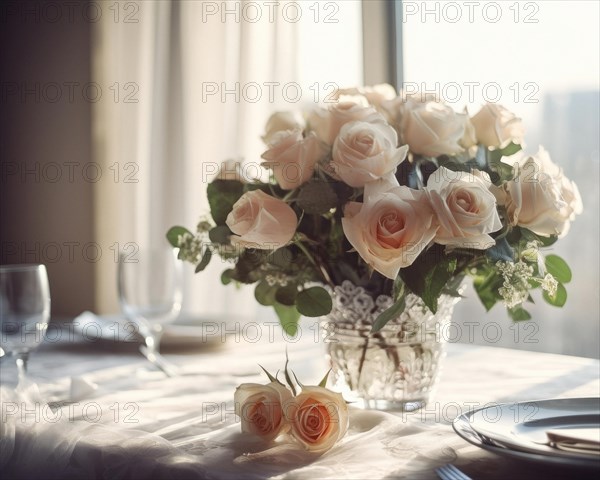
(450, 472)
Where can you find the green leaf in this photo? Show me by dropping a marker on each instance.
(222, 194)
(287, 295)
(204, 261)
(316, 197)
(174, 233)
(288, 318)
(510, 149)
(265, 293)
(501, 251)
(559, 298)
(281, 257)
(226, 276)
(220, 234)
(558, 268)
(288, 379)
(518, 313)
(323, 382)
(428, 275)
(389, 314)
(271, 377)
(314, 302)
(486, 285)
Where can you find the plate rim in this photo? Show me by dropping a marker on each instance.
(474, 439)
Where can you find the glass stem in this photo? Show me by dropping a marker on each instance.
(22, 365)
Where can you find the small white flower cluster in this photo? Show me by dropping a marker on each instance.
(515, 288)
(550, 284)
(190, 247)
(275, 278)
(517, 282)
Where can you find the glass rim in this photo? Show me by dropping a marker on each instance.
(21, 267)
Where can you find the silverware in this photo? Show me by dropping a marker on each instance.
(450, 472)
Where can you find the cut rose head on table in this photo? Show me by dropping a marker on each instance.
(399, 194)
(314, 419)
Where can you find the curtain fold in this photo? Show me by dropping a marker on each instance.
(165, 133)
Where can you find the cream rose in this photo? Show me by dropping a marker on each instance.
(541, 198)
(293, 158)
(364, 152)
(318, 418)
(327, 123)
(261, 221)
(260, 408)
(465, 209)
(433, 129)
(391, 228)
(281, 121)
(495, 126)
(376, 95)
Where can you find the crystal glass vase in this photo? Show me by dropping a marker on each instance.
(394, 369)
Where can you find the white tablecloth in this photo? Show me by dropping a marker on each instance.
(140, 424)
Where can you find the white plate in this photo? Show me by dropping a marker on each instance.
(116, 328)
(520, 429)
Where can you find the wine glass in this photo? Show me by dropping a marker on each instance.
(150, 292)
(24, 311)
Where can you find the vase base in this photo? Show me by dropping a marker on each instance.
(390, 406)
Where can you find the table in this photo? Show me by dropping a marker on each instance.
(139, 424)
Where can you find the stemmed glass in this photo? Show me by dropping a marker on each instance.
(150, 292)
(24, 311)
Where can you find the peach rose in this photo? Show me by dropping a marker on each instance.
(465, 208)
(541, 198)
(261, 221)
(293, 158)
(495, 126)
(433, 129)
(391, 228)
(364, 152)
(281, 121)
(327, 123)
(318, 418)
(260, 408)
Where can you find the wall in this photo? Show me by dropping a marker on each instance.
(46, 182)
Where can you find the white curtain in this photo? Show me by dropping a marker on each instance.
(161, 129)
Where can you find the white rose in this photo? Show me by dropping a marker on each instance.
(364, 152)
(327, 123)
(293, 158)
(433, 129)
(375, 95)
(261, 221)
(281, 121)
(541, 198)
(495, 126)
(391, 228)
(231, 169)
(318, 418)
(260, 408)
(465, 208)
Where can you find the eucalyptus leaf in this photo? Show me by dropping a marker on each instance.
(265, 293)
(288, 318)
(204, 261)
(286, 295)
(220, 234)
(314, 302)
(389, 314)
(501, 251)
(518, 313)
(558, 268)
(559, 298)
(174, 233)
(428, 275)
(222, 194)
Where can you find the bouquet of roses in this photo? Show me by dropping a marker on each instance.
(396, 193)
